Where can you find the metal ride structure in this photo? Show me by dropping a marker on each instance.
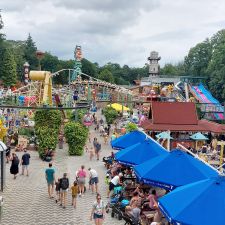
(39, 91)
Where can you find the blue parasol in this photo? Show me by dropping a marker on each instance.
(199, 203)
(173, 170)
(140, 152)
(128, 139)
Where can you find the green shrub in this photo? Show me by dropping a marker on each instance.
(131, 127)
(76, 135)
(47, 124)
(26, 131)
(110, 114)
(49, 118)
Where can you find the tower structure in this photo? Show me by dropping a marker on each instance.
(78, 65)
(154, 64)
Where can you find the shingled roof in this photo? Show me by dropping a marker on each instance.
(178, 116)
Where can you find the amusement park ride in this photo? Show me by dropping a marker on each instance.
(39, 91)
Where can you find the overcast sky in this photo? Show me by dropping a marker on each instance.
(122, 31)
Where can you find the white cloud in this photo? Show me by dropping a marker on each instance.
(123, 31)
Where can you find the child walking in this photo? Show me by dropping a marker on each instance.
(74, 190)
(91, 153)
(57, 190)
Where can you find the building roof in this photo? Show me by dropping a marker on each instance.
(174, 113)
(179, 116)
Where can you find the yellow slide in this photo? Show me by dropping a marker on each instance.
(46, 85)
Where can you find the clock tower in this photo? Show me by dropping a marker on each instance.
(154, 64)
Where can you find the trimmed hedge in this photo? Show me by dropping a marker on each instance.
(76, 135)
(47, 124)
(110, 114)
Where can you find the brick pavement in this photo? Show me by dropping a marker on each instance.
(26, 198)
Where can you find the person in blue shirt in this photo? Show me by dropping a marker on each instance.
(50, 178)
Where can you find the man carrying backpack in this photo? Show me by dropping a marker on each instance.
(64, 186)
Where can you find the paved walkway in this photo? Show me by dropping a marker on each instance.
(26, 198)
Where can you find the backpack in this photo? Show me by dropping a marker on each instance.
(64, 183)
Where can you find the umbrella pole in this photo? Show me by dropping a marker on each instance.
(168, 141)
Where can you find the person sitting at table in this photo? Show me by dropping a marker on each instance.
(48, 155)
(139, 190)
(152, 198)
(135, 201)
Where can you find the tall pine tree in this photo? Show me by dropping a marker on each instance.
(30, 53)
(1, 44)
(9, 75)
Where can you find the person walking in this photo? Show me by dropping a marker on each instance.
(93, 180)
(14, 169)
(74, 190)
(50, 178)
(64, 185)
(95, 142)
(25, 162)
(81, 180)
(98, 149)
(57, 190)
(98, 211)
(91, 153)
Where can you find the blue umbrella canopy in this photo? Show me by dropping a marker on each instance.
(164, 135)
(140, 152)
(173, 170)
(198, 137)
(128, 139)
(199, 203)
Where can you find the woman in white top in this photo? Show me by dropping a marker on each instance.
(98, 211)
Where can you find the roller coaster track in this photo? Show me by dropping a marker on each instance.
(33, 87)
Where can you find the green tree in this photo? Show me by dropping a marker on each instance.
(89, 68)
(18, 51)
(198, 58)
(2, 36)
(216, 70)
(169, 69)
(9, 75)
(106, 75)
(30, 53)
(49, 62)
(1, 44)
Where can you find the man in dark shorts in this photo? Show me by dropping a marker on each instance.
(25, 161)
(50, 178)
(93, 175)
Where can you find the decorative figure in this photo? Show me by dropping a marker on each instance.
(77, 66)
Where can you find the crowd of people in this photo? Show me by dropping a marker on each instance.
(139, 198)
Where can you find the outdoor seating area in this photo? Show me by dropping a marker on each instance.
(152, 181)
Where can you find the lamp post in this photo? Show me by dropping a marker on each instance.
(39, 55)
(2, 159)
(26, 68)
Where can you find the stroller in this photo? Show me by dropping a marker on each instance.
(119, 209)
(129, 220)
